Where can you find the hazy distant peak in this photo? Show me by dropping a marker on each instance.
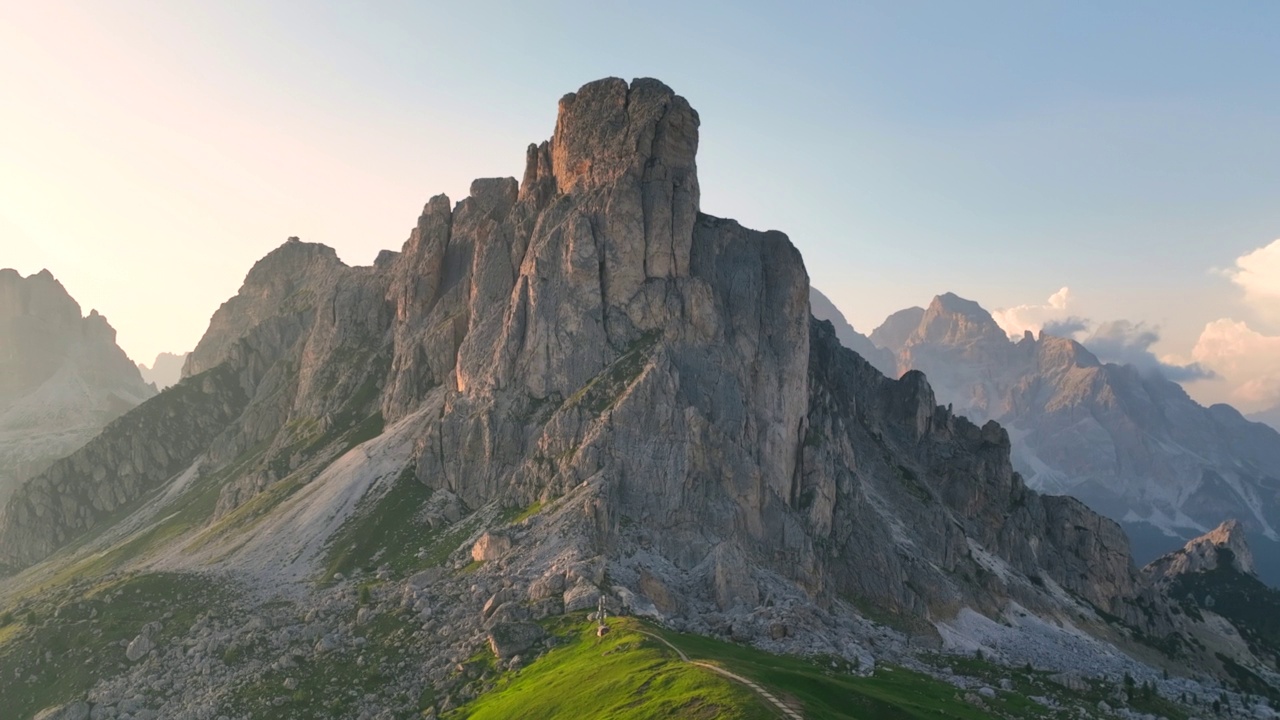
(821, 307)
(62, 376)
(1058, 352)
(896, 328)
(165, 371)
(950, 302)
(37, 296)
(951, 319)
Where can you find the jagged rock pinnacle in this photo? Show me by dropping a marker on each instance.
(1203, 553)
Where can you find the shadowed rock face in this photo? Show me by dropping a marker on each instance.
(62, 377)
(589, 330)
(823, 309)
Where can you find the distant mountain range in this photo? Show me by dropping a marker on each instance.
(1129, 442)
(165, 371)
(62, 377)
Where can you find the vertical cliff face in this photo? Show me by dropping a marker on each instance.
(591, 324)
(62, 376)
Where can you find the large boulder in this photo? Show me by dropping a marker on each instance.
(490, 546)
(509, 639)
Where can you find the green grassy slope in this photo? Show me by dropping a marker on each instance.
(826, 688)
(630, 675)
(624, 675)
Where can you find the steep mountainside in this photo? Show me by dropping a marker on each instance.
(571, 390)
(1131, 444)
(62, 377)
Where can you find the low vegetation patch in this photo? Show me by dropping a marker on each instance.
(387, 532)
(516, 515)
(57, 647)
(332, 684)
(603, 391)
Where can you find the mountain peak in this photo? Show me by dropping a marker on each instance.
(608, 128)
(1231, 536)
(610, 134)
(951, 319)
(1061, 353)
(288, 276)
(1205, 552)
(897, 328)
(293, 257)
(953, 303)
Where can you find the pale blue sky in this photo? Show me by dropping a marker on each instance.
(152, 151)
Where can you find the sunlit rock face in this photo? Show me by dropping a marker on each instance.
(62, 377)
(1204, 553)
(590, 327)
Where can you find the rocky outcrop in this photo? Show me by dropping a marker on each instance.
(288, 281)
(1203, 554)
(62, 376)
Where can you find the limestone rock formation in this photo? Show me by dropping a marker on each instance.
(1204, 553)
(62, 377)
(591, 326)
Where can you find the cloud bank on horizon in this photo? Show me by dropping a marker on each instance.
(1115, 341)
(1246, 357)
(1232, 361)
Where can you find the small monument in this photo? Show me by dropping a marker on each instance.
(601, 613)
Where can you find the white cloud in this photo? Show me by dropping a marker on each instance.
(1127, 343)
(1258, 274)
(1248, 360)
(1022, 318)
